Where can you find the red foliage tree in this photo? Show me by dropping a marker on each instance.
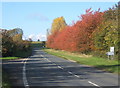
(78, 37)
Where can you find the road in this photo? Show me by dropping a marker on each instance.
(42, 70)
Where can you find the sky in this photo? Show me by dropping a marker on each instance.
(34, 18)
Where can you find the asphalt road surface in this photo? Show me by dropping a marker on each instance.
(43, 70)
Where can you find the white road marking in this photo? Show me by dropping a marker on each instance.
(23, 60)
(51, 61)
(25, 82)
(46, 58)
(73, 74)
(42, 55)
(60, 67)
(25, 78)
(93, 83)
(54, 64)
(70, 72)
(76, 76)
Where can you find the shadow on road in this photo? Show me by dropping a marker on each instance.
(41, 73)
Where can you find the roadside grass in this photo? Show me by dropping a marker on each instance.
(7, 58)
(100, 63)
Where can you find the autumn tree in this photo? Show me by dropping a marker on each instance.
(58, 24)
(90, 21)
(77, 37)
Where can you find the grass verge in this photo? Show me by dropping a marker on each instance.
(100, 63)
(7, 58)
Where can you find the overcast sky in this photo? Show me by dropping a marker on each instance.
(34, 18)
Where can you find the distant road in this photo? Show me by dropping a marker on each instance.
(42, 69)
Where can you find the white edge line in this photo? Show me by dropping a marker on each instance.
(25, 82)
(93, 83)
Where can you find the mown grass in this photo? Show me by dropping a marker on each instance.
(7, 58)
(100, 63)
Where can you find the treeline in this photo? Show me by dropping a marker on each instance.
(95, 33)
(12, 43)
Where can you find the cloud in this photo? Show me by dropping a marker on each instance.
(41, 37)
(38, 17)
(31, 36)
(34, 37)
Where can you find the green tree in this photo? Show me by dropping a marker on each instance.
(106, 35)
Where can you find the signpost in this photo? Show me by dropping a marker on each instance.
(111, 53)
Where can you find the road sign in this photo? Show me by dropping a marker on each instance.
(111, 49)
(110, 53)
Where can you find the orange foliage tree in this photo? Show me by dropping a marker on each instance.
(78, 37)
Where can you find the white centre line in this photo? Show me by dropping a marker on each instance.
(73, 74)
(60, 67)
(42, 55)
(46, 58)
(77, 76)
(93, 83)
(25, 82)
(70, 72)
(51, 61)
